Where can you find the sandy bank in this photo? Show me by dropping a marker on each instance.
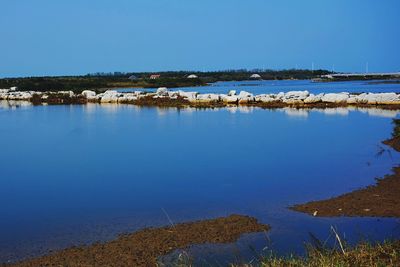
(379, 200)
(142, 248)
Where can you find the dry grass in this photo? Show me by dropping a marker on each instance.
(386, 254)
(364, 254)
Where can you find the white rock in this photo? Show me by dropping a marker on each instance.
(313, 99)
(335, 98)
(244, 94)
(232, 93)
(230, 99)
(382, 98)
(173, 94)
(127, 97)
(110, 96)
(19, 96)
(208, 97)
(280, 95)
(265, 98)
(188, 95)
(245, 97)
(298, 95)
(362, 98)
(162, 91)
(89, 94)
(352, 99)
(66, 93)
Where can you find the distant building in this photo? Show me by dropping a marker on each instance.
(255, 76)
(132, 77)
(192, 76)
(154, 76)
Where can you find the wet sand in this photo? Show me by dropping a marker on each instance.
(142, 248)
(379, 200)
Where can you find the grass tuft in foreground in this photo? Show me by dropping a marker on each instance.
(364, 254)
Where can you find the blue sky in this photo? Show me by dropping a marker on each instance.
(47, 37)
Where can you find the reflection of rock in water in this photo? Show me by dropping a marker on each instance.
(382, 113)
(294, 112)
(334, 111)
(112, 107)
(377, 112)
(245, 109)
(240, 109)
(13, 104)
(188, 110)
(90, 108)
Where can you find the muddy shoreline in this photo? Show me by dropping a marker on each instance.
(142, 248)
(379, 200)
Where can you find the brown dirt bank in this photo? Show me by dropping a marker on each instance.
(142, 248)
(379, 200)
(393, 142)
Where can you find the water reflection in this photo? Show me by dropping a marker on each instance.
(240, 109)
(294, 112)
(93, 171)
(341, 111)
(14, 104)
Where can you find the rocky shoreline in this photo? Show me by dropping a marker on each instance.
(166, 98)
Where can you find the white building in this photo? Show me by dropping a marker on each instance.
(192, 76)
(255, 76)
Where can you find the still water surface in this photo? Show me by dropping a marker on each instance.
(83, 173)
(274, 87)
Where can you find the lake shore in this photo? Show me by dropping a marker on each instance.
(379, 200)
(142, 248)
(180, 99)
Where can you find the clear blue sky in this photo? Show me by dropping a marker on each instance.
(48, 37)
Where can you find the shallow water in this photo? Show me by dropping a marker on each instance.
(264, 87)
(83, 173)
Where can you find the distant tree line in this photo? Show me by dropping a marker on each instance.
(100, 81)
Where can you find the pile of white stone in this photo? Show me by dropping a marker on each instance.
(232, 97)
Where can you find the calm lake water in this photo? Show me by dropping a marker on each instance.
(263, 87)
(78, 174)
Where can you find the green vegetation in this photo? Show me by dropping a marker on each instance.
(171, 79)
(332, 252)
(364, 254)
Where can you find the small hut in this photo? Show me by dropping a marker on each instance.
(255, 76)
(154, 76)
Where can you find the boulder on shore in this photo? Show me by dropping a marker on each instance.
(88, 94)
(162, 91)
(110, 96)
(335, 98)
